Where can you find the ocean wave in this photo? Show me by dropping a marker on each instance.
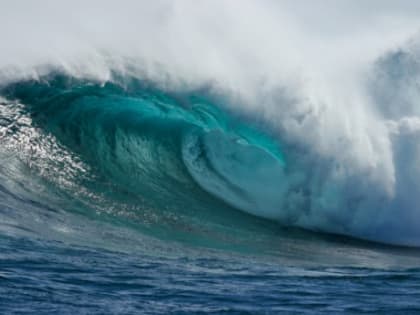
(196, 151)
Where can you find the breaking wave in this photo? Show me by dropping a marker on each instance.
(134, 148)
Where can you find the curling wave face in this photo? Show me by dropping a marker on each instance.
(147, 140)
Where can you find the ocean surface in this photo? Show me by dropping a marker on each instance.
(124, 196)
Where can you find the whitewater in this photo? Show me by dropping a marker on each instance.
(209, 156)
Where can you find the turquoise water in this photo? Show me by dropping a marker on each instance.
(123, 197)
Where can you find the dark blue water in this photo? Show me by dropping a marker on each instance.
(48, 278)
(124, 198)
